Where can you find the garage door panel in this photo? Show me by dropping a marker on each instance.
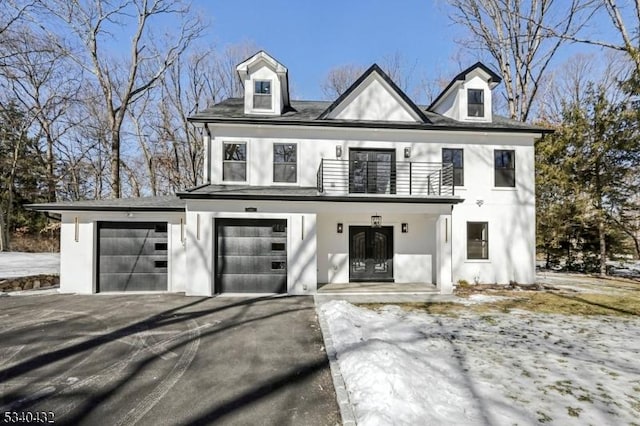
(133, 264)
(251, 255)
(111, 246)
(252, 229)
(133, 282)
(252, 265)
(250, 246)
(132, 256)
(256, 283)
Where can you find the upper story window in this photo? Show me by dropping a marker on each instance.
(262, 94)
(475, 103)
(477, 240)
(285, 162)
(455, 157)
(234, 164)
(505, 168)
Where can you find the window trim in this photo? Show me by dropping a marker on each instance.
(246, 153)
(454, 166)
(482, 103)
(496, 169)
(253, 100)
(485, 241)
(273, 163)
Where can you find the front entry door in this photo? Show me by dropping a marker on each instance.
(372, 171)
(370, 253)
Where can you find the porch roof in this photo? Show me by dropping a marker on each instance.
(296, 193)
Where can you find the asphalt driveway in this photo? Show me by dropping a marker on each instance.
(165, 359)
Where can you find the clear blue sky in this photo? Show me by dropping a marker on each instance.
(311, 37)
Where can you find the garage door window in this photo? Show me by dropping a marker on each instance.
(234, 167)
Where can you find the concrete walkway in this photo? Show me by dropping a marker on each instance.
(165, 360)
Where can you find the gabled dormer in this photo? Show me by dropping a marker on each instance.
(374, 97)
(468, 96)
(266, 85)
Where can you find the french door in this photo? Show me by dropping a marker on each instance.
(372, 171)
(370, 253)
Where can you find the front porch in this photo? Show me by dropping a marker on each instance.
(384, 292)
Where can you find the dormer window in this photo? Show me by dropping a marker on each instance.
(262, 94)
(475, 103)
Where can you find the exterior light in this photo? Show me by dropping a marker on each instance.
(338, 151)
(339, 228)
(407, 152)
(376, 221)
(405, 228)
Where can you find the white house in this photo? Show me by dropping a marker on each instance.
(298, 194)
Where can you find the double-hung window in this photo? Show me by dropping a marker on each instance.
(262, 94)
(505, 168)
(477, 240)
(285, 162)
(475, 102)
(234, 164)
(455, 157)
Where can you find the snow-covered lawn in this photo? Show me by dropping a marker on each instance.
(474, 368)
(18, 264)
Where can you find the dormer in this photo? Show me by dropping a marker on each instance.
(266, 85)
(468, 96)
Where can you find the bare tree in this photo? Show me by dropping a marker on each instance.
(228, 85)
(94, 24)
(522, 37)
(339, 79)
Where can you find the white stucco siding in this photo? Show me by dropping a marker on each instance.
(78, 258)
(374, 100)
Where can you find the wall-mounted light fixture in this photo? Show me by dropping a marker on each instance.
(250, 209)
(339, 228)
(479, 203)
(181, 230)
(338, 151)
(407, 152)
(198, 227)
(376, 221)
(77, 230)
(405, 228)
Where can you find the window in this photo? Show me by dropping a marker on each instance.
(262, 94)
(285, 167)
(455, 157)
(477, 240)
(505, 168)
(475, 102)
(234, 165)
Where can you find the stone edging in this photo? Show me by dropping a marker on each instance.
(342, 396)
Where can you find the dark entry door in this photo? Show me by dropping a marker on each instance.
(132, 256)
(251, 256)
(372, 171)
(371, 253)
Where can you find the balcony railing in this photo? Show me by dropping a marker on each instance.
(384, 177)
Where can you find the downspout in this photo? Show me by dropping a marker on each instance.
(207, 176)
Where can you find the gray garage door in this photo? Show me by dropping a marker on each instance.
(251, 256)
(132, 256)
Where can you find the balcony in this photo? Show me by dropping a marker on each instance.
(339, 177)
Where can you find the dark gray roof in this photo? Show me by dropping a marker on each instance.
(296, 193)
(162, 203)
(308, 112)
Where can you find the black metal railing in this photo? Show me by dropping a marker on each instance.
(385, 177)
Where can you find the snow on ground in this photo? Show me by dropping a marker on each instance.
(17, 264)
(518, 368)
(475, 299)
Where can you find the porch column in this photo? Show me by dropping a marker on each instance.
(443, 254)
